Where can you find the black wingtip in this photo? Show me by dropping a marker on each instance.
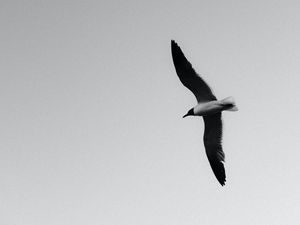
(218, 169)
(173, 43)
(176, 52)
(221, 180)
(221, 177)
(223, 183)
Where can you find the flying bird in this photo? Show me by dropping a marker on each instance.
(208, 107)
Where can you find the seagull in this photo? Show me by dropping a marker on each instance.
(208, 107)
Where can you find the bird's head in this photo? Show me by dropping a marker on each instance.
(189, 113)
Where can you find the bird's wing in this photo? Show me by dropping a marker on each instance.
(189, 77)
(213, 145)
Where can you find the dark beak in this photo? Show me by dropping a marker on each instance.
(189, 113)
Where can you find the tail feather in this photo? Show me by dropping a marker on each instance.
(230, 102)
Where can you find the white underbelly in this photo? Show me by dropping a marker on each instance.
(208, 108)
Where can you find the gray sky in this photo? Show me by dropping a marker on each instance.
(91, 118)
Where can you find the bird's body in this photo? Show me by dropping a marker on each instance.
(215, 106)
(208, 107)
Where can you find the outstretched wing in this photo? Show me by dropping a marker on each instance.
(189, 77)
(213, 145)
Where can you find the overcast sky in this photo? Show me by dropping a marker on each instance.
(91, 112)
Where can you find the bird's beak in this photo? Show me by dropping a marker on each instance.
(189, 113)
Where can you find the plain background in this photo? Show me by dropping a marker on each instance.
(91, 112)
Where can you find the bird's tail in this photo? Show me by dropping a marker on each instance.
(229, 103)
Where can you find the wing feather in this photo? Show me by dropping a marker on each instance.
(213, 145)
(189, 77)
